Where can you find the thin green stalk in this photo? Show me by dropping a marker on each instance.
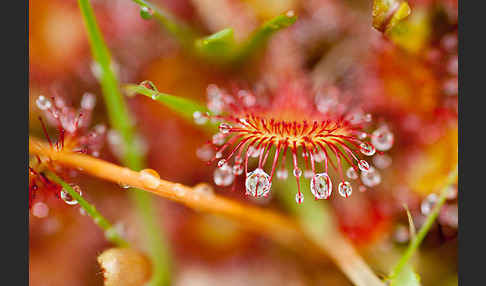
(419, 237)
(122, 122)
(111, 233)
(219, 47)
(185, 34)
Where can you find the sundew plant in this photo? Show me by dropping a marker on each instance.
(243, 142)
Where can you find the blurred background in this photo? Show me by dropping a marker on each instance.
(408, 80)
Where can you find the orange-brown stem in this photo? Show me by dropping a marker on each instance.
(273, 225)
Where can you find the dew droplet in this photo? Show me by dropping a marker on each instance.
(382, 161)
(361, 135)
(290, 13)
(223, 176)
(297, 172)
(363, 165)
(224, 128)
(215, 99)
(367, 117)
(88, 101)
(299, 198)
(282, 174)
(351, 173)
(253, 152)
(371, 177)
(367, 149)
(82, 211)
(146, 13)
(123, 186)
(150, 85)
(218, 139)
(401, 234)
(258, 183)
(218, 155)
(451, 193)
(345, 189)
(221, 163)
(319, 156)
(43, 103)
(238, 160)
(428, 204)
(199, 118)
(150, 178)
(237, 169)
(204, 153)
(382, 139)
(203, 188)
(40, 210)
(67, 198)
(321, 186)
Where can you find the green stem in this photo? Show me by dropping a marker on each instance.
(121, 121)
(417, 240)
(111, 233)
(185, 34)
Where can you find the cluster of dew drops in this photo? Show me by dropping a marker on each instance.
(258, 182)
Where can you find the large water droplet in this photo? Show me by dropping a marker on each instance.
(258, 183)
(363, 166)
(371, 177)
(150, 178)
(367, 149)
(67, 198)
(428, 204)
(351, 173)
(299, 198)
(199, 118)
(43, 103)
(382, 139)
(146, 12)
(223, 176)
(345, 189)
(321, 186)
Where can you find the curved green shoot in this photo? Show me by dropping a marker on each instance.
(121, 121)
(111, 233)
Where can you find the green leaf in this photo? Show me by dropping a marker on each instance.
(182, 106)
(218, 46)
(261, 35)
